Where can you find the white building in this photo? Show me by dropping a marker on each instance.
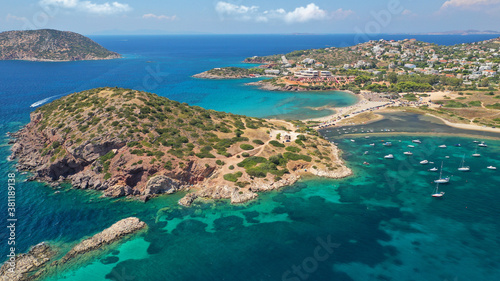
(272, 71)
(308, 61)
(307, 73)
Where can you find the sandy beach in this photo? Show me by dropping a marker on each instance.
(364, 105)
(467, 126)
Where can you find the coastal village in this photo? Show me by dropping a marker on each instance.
(383, 62)
(458, 83)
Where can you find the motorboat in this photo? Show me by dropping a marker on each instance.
(389, 156)
(424, 162)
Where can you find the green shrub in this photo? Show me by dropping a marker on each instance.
(475, 103)
(276, 143)
(293, 149)
(233, 177)
(259, 142)
(246, 146)
(296, 157)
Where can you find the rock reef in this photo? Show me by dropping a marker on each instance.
(114, 233)
(40, 258)
(27, 264)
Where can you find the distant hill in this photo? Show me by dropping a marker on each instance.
(463, 32)
(50, 45)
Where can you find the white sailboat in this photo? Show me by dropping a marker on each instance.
(424, 162)
(416, 141)
(442, 146)
(389, 156)
(408, 153)
(433, 169)
(441, 179)
(475, 154)
(436, 192)
(482, 144)
(491, 168)
(463, 168)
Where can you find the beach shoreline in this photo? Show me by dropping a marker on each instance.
(363, 105)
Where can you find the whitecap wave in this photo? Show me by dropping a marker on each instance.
(41, 102)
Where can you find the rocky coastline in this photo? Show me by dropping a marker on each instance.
(284, 88)
(120, 163)
(207, 75)
(40, 258)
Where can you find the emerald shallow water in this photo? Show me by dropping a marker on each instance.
(383, 222)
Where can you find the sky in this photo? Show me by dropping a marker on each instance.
(93, 17)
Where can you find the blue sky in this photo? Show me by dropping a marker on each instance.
(250, 16)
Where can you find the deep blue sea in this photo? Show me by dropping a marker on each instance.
(381, 224)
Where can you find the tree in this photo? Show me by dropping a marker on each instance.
(392, 77)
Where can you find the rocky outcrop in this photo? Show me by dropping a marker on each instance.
(35, 262)
(208, 75)
(338, 173)
(26, 265)
(270, 87)
(116, 232)
(50, 45)
(236, 195)
(260, 186)
(160, 185)
(81, 164)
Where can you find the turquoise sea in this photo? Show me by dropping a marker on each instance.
(381, 224)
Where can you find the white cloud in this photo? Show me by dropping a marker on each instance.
(298, 15)
(106, 8)
(303, 14)
(159, 17)
(10, 17)
(466, 4)
(407, 12)
(341, 14)
(224, 8)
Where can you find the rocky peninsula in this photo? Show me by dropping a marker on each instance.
(130, 143)
(230, 73)
(40, 258)
(50, 45)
